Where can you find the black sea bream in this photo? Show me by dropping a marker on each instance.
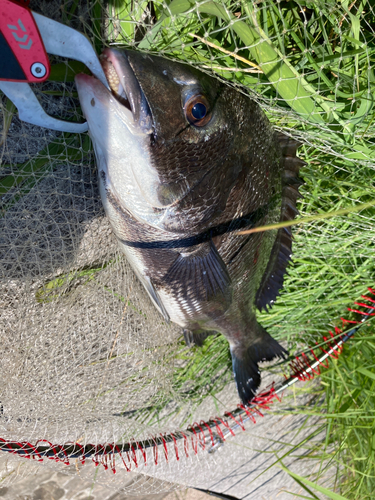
(184, 162)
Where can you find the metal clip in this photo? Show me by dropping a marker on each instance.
(60, 40)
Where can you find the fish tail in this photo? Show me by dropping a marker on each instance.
(245, 363)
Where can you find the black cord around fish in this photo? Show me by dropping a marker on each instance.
(249, 220)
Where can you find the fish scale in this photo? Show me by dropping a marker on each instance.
(209, 165)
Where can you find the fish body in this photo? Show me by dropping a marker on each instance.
(184, 162)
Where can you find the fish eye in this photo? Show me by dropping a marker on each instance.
(197, 110)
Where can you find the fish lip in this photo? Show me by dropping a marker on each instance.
(137, 100)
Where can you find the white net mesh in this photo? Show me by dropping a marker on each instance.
(84, 356)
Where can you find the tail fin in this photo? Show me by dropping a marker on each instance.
(245, 363)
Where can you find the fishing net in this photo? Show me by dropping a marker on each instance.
(85, 358)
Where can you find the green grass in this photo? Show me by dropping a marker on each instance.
(316, 81)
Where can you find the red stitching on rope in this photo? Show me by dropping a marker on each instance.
(337, 349)
(82, 458)
(104, 460)
(227, 413)
(249, 412)
(194, 439)
(226, 424)
(55, 453)
(201, 436)
(321, 363)
(112, 460)
(31, 456)
(40, 459)
(242, 422)
(266, 398)
(299, 366)
(113, 466)
(217, 426)
(140, 447)
(11, 450)
(122, 458)
(344, 321)
(209, 430)
(165, 447)
(368, 298)
(134, 455)
(186, 444)
(66, 459)
(338, 332)
(175, 446)
(362, 312)
(22, 449)
(27, 455)
(365, 305)
(155, 451)
(95, 458)
(128, 467)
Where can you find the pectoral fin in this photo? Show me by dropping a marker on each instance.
(200, 275)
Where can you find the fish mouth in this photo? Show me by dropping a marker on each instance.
(126, 88)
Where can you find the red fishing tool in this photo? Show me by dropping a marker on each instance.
(26, 39)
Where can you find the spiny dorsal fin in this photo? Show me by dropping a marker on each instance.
(273, 277)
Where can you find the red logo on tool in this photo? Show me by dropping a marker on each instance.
(23, 55)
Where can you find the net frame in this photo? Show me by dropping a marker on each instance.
(206, 435)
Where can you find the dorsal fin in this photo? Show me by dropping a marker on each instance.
(273, 277)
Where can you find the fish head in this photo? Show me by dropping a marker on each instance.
(163, 136)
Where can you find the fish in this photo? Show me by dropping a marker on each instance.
(185, 161)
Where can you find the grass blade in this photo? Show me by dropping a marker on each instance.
(303, 481)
